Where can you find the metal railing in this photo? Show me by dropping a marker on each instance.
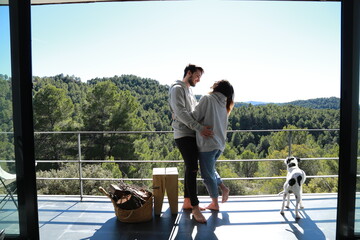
(81, 161)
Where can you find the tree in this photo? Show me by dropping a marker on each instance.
(6, 123)
(52, 109)
(108, 109)
(248, 168)
(72, 187)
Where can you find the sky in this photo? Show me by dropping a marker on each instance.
(271, 51)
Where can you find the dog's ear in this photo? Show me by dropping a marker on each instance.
(288, 159)
(298, 159)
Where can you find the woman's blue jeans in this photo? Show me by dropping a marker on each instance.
(208, 171)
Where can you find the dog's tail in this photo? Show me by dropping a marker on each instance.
(280, 193)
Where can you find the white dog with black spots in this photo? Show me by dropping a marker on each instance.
(294, 180)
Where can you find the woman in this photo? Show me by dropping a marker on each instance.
(213, 110)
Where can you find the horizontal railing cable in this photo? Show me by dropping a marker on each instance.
(167, 161)
(181, 179)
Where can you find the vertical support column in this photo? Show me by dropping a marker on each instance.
(80, 168)
(349, 117)
(21, 68)
(290, 142)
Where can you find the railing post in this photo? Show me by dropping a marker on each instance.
(290, 137)
(80, 167)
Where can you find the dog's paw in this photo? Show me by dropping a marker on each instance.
(301, 207)
(297, 217)
(282, 212)
(287, 206)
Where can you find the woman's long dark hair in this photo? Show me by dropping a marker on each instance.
(224, 87)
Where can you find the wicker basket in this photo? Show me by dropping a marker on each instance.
(142, 214)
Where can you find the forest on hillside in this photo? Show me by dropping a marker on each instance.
(64, 104)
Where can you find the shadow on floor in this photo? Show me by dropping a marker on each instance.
(304, 228)
(185, 228)
(159, 228)
(168, 226)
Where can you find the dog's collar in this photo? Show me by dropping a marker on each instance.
(291, 165)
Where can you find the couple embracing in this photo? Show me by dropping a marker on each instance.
(200, 135)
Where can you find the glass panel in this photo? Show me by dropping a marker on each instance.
(9, 217)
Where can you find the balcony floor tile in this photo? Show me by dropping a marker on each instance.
(242, 217)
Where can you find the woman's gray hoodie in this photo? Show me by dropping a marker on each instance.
(182, 103)
(211, 111)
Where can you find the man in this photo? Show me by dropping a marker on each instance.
(182, 103)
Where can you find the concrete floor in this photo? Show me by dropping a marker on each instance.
(242, 217)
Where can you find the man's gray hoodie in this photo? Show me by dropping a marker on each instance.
(182, 103)
(211, 111)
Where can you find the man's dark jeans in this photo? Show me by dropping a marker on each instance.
(189, 152)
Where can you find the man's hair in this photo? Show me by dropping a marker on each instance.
(193, 68)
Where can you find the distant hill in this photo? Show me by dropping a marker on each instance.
(257, 103)
(316, 103)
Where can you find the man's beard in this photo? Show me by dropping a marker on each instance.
(191, 82)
